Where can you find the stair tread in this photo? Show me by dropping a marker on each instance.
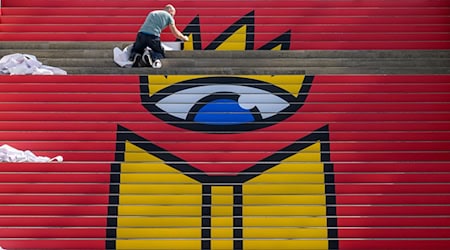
(97, 58)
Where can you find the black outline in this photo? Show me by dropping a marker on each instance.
(114, 191)
(247, 20)
(321, 134)
(238, 227)
(206, 216)
(148, 102)
(194, 28)
(284, 40)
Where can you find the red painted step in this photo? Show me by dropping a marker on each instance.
(352, 221)
(300, 29)
(67, 244)
(212, 12)
(389, 244)
(223, 3)
(52, 188)
(227, 21)
(297, 45)
(52, 221)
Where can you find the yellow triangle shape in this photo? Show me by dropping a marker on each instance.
(236, 41)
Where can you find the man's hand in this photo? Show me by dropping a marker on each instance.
(177, 33)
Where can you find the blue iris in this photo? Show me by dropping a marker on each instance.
(223, 112)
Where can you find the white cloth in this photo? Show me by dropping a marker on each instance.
(10, 154)
(121, 56)
(25, 64)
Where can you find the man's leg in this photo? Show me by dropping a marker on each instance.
(138, 48)
(157, 52)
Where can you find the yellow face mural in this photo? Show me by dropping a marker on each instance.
(165, 198)
(224, 104)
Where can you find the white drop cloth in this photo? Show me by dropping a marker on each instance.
(25, 64)
(10, 154)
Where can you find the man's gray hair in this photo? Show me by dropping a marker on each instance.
(169, 7)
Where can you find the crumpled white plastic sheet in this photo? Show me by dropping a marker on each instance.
(25, 64)
(11, 154)
(121, 56)
(2, 248)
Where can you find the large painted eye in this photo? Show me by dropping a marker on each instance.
(228, 104)
(222, 104)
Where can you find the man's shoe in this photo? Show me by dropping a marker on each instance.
(146, 60)
(136, 58)
(157, 64)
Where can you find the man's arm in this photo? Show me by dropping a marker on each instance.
(177, 33)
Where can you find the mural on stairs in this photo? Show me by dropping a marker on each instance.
(352, 161)
(239, 36)
(189, 180)
(345, 162)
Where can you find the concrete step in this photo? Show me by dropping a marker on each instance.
(254, 71)
(88, 48)
(68, 57)
(186, 71)
(174, 62)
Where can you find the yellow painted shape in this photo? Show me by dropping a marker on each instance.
(303, 166)
(287, 233)
(167, 204)
(158, 221)
(290, 83)
(285, 199)
(189, 45)
(221, 244)
(285, 221)
(222, 233)
(220, 199)
(157, 189)
(136, 167)
(278, 47)
(266, 216)
(222, 207)
(274, 211)
(160, 207)
(236, 41)
(163, 199)
(160, 233)
(159, 244)
(159, 82)
(159, 210)
(286, 244)
(277, 189)
(310, 154)
(223, 221)
(154, 178)
(293, 178)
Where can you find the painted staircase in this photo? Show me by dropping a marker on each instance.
(363, 163)
(296, 25)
